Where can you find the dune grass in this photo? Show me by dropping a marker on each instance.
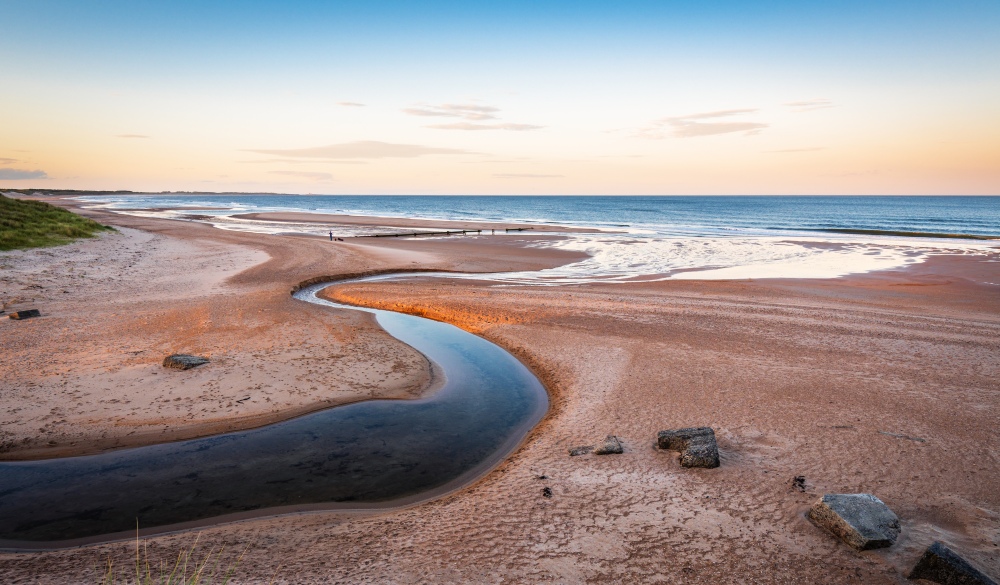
(185, 570)
(36, 224)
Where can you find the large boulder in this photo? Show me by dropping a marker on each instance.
(942, 565)
(862, 521)
(696, 445)
(183, 361)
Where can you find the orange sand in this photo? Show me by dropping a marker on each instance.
(824, 379)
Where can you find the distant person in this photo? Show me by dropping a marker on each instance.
(331, 236)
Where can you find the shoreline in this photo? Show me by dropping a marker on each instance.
(423, 224)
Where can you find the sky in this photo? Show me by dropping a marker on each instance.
(658, 97)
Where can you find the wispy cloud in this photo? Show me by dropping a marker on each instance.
(692, 126)
(286, 161)
(807, 149)
(19, 175)
(716, 114)
(131, 136)
(8, 161)
(351, 104)
(469, 112)
(809, 105)
(466, 111)
(526, 176)
(471, 126)
(363, 149)
(311, 176)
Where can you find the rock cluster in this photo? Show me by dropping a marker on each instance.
(183, 361)
(862, 521)
(941, 565)
(696, 445)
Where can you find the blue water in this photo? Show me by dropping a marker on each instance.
(671, 215)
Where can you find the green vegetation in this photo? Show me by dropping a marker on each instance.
(34, 224)
(185, 570)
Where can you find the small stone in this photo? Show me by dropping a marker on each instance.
(26, 314)
(546, 492)
(942, 565)
(862, 521)
(581, 450)
(697, 446)
(182, 361)
(610, 446)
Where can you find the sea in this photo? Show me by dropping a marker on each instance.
(645, 237)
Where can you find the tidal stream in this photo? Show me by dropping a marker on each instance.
(367, 455)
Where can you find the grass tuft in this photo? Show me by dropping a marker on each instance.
(36, 224)
(186, 569)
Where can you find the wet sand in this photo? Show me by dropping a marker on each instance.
(885, 383)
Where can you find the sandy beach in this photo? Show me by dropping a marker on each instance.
(884, 383)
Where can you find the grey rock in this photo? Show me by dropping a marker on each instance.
(942, 565)
(610, 446)
(27, 314)
(862, 521)
(581, 450)
(183, 361)
(697, 446)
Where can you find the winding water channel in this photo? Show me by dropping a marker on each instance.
(367, 455)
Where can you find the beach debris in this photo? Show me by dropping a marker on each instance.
(799, 483)
(862, 521)
(697, 446)
(610, 446)
(26, 314)
(581, 450)
(183, 361)
(543, 476)
(899, 436)
(546, 492)
(942, 565)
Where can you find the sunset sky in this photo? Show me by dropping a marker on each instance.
(502, 97)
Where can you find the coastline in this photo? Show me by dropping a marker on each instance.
(799, 377)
